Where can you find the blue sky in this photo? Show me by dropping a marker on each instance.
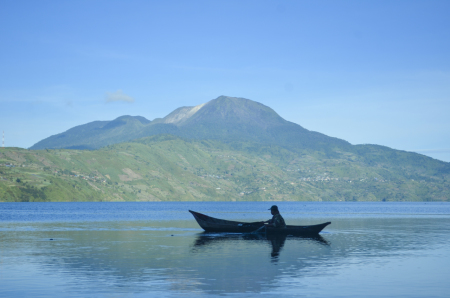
(369, 72)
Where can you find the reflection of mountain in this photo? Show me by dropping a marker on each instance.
(183, 262)
(153, 260)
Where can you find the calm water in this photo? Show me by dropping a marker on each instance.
(157, 249)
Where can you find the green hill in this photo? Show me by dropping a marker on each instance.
(169, 168)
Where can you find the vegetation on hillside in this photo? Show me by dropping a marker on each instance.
(168, 168)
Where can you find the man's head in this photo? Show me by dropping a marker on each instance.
(274, 209)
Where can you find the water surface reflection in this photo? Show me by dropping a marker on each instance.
(276, 241)
(353, 256)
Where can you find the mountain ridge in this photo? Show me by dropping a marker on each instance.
(225, 118)
(96, 134)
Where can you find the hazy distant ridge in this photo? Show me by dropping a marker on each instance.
(228, 119)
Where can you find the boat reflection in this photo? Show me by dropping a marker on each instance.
(277, 242)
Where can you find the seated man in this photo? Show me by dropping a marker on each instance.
(277, 220)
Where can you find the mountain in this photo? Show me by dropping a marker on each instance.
(228, 119)
(226, 149)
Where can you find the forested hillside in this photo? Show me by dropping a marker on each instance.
(169, 168)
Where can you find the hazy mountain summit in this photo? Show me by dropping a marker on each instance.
(225, 110)
(228, 119)
(228, 110)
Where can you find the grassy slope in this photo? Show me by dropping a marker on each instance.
(167, 168)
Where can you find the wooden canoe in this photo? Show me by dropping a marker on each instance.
(211, 224)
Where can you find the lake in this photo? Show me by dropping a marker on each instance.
(158, 249)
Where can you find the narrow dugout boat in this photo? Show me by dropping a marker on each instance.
(211, 224)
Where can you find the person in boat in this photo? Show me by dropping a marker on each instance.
(277, 220)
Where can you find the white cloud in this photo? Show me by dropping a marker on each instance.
(118, 96)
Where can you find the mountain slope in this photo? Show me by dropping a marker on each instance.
(235, 111)
(168, 168)
(96, 134)
(227, 119)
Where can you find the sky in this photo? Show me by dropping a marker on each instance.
(368, 72)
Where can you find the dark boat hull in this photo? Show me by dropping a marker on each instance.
(211, 224)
